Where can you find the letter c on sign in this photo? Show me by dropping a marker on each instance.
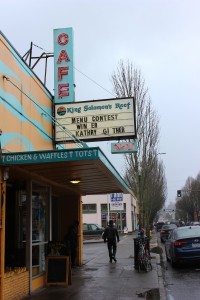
(63, 39)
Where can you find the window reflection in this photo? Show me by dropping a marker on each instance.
(40, 204)
(38, 259)
(38, 217)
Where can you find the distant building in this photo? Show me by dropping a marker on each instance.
(96, 209)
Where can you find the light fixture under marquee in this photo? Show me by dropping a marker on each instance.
(75, 181)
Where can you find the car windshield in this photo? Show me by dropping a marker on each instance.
(188, 232)
(85, 227)
(95, 227)
(169, 226)
(98, 226)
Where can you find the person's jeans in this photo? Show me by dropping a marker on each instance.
(112, 248)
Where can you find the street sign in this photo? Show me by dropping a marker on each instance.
(115, 197)
(116, 201)
(124, 147)
(116, 205)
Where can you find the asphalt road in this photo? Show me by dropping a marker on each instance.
(181, 283)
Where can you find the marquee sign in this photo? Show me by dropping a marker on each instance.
(63, 65)
(108, 119)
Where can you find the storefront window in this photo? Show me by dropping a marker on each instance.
(15, 227)
(89, 208)
(40, 227)
(118, 216)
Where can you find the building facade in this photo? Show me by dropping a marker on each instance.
(38, 200)
(97, 209)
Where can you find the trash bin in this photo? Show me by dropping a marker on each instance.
(136, 249)
(147, 242)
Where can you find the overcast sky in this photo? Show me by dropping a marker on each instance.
(160, 37)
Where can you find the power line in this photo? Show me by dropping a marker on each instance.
(69, 134)
(41, 48)
(20, 113)
(89, 78)
(94, 82)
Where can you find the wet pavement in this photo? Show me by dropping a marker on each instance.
(98, 279)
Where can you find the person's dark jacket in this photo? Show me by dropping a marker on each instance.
(72, 235)
(111, 234)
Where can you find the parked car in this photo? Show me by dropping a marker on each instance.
(183, 245)
(165, 230)
(159, 225)
(177, 222)
(195, 223)
(92, 229)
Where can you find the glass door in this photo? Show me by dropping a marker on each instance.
(40, 226)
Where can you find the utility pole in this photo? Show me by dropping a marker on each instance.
(108, 210)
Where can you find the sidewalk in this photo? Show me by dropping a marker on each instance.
(100, 280)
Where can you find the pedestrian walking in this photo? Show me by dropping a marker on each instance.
(72, 239)
(111, 236)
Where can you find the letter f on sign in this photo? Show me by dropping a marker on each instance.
(62, 71)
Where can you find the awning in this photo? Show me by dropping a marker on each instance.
(57, 167)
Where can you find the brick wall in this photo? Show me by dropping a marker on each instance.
(16, 285)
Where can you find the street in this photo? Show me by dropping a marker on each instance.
(181, 283)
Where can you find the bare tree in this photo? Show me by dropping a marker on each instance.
(144, 173)
(188, 206)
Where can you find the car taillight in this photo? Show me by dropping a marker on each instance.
(179, 244)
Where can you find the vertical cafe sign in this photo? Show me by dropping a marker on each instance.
(63, 65)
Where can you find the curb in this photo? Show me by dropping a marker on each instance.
(162, 291)
(92, 241)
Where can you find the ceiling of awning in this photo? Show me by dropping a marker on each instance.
(96, 174)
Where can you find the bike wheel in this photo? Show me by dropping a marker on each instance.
(149, 265)
(139, 266)
(145, 264)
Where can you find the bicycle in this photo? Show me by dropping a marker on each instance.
(144, 258)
